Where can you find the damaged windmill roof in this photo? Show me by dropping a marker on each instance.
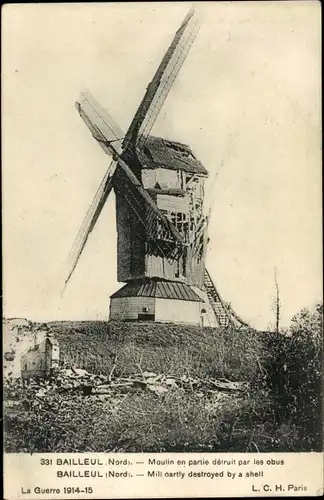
(161, 289)
(159, 152)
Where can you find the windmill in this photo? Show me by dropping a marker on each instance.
(159, 191)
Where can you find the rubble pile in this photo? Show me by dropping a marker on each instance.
(88, 384)
(19, 334)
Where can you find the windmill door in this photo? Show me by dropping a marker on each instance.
(145, 315)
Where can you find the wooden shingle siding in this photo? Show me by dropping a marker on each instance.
(174, 179)
(160, 267)
(154, 266)
(130, 242)
(157, 288)
(173, 203)
(123, 239)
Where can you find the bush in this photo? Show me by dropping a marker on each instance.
(280, 412)
(295, 377)
(137, 422)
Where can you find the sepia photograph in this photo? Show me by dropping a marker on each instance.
(162, 227)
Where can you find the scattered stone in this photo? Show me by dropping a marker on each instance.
(151, 380)
(157, 389)
(170, 382)
(85, 384)
(149, 374)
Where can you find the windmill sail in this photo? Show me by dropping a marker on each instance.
(90, 219)
(160, 86)
(106, 131)
(102, 126)
(112, 140)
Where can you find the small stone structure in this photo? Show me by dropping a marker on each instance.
(41, 359)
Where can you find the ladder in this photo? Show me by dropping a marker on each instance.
(223, 316)
(237, 321)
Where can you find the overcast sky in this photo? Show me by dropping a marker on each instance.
(248, 102)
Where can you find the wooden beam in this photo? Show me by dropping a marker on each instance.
(132, 177)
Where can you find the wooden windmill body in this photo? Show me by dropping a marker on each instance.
(161, 226)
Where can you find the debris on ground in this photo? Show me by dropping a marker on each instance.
(72, 379)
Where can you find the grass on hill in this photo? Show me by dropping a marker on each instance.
(160, 348)
(282, 410)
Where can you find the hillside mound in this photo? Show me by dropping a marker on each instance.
(143, 387)
(164, 348)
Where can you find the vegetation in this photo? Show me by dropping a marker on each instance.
(161, 348)
(280, 412)
(295, 377)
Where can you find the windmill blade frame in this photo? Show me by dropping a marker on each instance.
(112, 140)
(90, 219)
(160, 86)
(105, 130)
(105, 133)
